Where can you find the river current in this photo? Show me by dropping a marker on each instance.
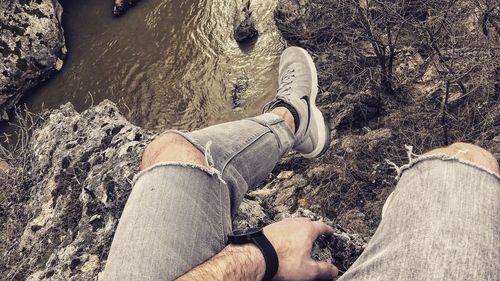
(166, 63)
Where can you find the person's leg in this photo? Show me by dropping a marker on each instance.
(179, 211)
(442, 221)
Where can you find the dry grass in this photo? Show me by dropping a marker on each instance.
(424, 71)
(16, 180)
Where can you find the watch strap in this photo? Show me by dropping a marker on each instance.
(270, 256)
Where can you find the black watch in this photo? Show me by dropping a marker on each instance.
(257, 237)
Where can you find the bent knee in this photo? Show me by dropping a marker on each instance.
(171, 147)
(469, 152)
(162, 142)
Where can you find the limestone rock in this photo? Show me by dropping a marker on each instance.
(240, 87)
(251, 214)
(32, 47)
(81, 174)
(4, 167)
(245, 29)
(285, 175)
(122, 6)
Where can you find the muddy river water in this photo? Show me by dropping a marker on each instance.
(166, 63)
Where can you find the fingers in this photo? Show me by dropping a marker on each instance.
(320, 228)
(324, 270)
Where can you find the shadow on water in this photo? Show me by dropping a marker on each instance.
(168, 64)
(248, 46)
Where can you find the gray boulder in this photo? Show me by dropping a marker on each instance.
(240, 87)
(32, 47)
(76, 185)
(245, 29)
(122, 6)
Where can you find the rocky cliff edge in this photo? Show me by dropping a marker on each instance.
(64, 205)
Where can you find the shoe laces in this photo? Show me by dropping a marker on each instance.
(285, 82)
(283, 90)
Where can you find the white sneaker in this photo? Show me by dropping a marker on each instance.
(298, 87)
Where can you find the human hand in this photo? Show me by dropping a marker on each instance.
(293, 238)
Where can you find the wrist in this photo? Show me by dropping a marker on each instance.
(251, 257)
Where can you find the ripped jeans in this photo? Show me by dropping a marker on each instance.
(440, 223)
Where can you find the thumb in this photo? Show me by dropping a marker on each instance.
(325, 270)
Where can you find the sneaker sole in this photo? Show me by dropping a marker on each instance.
(324, 135)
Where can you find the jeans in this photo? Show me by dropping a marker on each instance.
(441, 222)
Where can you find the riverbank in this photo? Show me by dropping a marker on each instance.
(33, 46)
(179, 72)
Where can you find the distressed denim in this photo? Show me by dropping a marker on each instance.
(440, 223)
(178, 215)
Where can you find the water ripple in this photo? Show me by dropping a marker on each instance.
(171, 62)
